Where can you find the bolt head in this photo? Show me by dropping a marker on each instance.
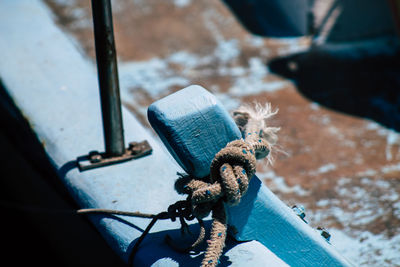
(300, 211)
(135, 148)
(324, 233)
(94, 156)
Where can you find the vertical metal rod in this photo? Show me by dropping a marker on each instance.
(108, 78)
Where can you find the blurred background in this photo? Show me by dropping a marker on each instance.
(331, 68)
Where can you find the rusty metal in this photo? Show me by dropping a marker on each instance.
(96, 159)
(108, 77)
(107, 69)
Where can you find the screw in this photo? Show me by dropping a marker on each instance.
(94, 156)
(300, 211)
(324, 233)
(135, 148)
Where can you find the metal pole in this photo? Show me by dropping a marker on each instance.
(108, 78)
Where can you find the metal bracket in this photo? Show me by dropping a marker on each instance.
(107, 69)
(96, 159)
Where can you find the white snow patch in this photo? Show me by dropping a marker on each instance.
(227, 50)
(78, 13)
(363, 205)
(367, 249)
(321, 119)
(323, 202)
(250, 86)
(391, 168)
(335, 131)
(279, 185)
(392, 138)
(324, 169)
(382, 184)
(188, 60)
(369, 172)
(314, 106)
(255, 41)
(390, 196)
(232, 71)
(373, 126)
(343, 181)
(82, 23)
(253, 82)
(185, 59)
(65, 2)
(366, 181)
(325, 120)
(153, 76)
(182, 3)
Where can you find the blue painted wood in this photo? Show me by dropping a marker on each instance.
(179, 120)
(193, 127)
(56, 89)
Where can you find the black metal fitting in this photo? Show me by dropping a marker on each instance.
(107, 70)
(96, 159)
(300, 211)
(324, 233)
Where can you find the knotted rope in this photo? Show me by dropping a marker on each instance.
(230, 173)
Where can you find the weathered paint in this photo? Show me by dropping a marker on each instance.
(191, 124)
(194, 126)
(56, 88)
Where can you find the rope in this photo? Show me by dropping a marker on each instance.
(230, 173)
(180, 209)
(117, 212)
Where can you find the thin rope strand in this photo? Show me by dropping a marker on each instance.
(116, 212)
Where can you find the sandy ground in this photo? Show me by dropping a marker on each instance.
(343, 168)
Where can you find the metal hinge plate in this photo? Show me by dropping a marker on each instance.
(96, 159)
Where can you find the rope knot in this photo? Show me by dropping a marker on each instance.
(180, 209)
(230, 173)
(232, 167)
